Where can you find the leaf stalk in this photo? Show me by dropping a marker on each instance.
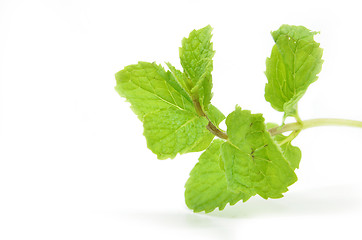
(210, 126)
(298, 126)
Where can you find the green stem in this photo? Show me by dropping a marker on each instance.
(297, 118)
(291, 136)
(198, 107)
(211, 127)
(298, 126)
(216, 131)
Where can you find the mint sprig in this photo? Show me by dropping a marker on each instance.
(251, 157)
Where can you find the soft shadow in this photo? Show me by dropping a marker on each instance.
(217, 228)
(318, 201)
(176, 219)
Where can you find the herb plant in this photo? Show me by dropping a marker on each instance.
(252, 156)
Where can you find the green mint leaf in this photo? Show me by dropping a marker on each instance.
(295, 61)
(215, 115)
(270, 125)
(253, 162)
(171, 124)
(181, 78)
(196, 56)
(291, 153)
(148, 87)
(173, 131)
(206, 189)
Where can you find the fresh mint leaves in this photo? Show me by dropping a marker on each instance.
(149, 88)
(207, 187)
(196, 56)
(171, 123)
(253, 162)
(251, 157)
(294, 63)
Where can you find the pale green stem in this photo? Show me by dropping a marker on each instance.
(297, 118)
(293, 135)
(298, 126)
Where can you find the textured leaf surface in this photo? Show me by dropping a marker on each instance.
(291, 153)
(181, 78)
(295, 61)
(171, 124)
(172, 131)
(214, 114)
(253, 162)
(148, 87)
(196, 56)
(206, 189)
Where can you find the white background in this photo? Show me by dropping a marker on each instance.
(73, 160)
